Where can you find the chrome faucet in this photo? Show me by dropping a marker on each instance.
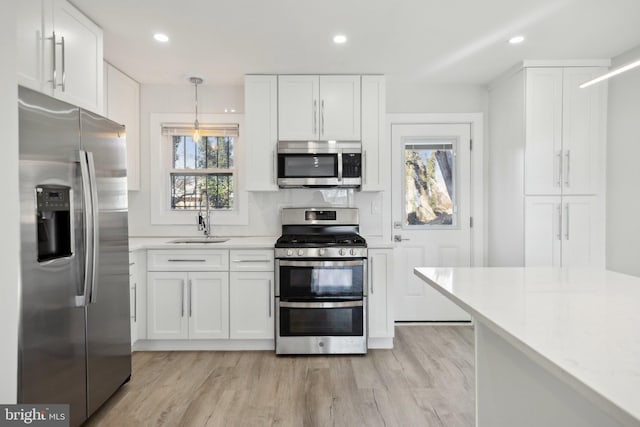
(204, 222)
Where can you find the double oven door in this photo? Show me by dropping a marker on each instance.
(321, 306)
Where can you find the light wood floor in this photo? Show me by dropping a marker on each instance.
(426, 380)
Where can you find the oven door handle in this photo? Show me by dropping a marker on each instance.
(344, 304)
(338, 263)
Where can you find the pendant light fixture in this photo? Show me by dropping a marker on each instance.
(196, 125)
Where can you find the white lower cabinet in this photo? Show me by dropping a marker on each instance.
(563, 231)
(381, 321)
(198, 299)
(251, 305)
(188, 305)
(208, 308)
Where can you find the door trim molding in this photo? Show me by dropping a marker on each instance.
(478, 186)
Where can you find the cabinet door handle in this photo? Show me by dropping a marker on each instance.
(135, 302)
(250, 260)
(182, 301)
(559, 235)
(186, 260)
(315, 116)
(269, 298)
(190, 296)
(322, 118)
(364, 166)
(566, 212)
(559, 176)
(53, 60)
(568, 168)
(273, 168)
(64, 61)
(370, 274)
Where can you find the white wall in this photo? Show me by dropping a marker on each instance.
(10, 212)
(411, 97)
(623, 168)
(265, 208)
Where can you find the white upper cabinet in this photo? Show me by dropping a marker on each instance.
(374, 145)
(339, 108)
(298, 99)
(60, 52)
(543, 129)
(583, 131)
(123, 106)
(30, 44)
(318, 108)
(564, 131)
(261, 131)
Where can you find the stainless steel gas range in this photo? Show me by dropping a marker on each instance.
(321, 276)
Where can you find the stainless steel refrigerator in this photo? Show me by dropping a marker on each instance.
(75, 331)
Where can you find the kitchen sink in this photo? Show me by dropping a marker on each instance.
(201, 240)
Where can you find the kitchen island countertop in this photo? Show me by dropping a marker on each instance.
(581, 325)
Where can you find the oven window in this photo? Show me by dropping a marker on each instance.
(321, 321)
(307, 165)
(321, 281)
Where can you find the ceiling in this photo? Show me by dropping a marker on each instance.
(428, 41)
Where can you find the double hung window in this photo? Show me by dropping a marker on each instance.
(202, 172)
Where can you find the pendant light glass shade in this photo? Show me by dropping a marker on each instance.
(196, 125)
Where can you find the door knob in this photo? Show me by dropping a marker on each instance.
(398, 238)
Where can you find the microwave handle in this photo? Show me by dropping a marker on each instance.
(339, 166)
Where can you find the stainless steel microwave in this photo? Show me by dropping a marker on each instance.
(319, 164)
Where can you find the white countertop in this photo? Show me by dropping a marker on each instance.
(581, 324)
(137, 243)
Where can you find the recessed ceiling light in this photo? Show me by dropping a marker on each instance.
(339, 39)
(163, 38)
(516, 39)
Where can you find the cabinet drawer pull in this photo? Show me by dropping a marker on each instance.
(186, 260)
(250, 260)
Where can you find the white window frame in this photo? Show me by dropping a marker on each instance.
(161, 153)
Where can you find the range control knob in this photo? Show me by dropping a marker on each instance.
(343, 251)
(300, 252)
(353, 251)
(289, 252)
(321, 251)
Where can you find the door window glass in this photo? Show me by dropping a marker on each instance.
(429, 190)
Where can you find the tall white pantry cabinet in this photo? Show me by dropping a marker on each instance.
(547, 165)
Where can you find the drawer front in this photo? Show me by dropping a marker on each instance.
(251, 260)
(188, 260)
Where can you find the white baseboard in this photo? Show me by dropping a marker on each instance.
(381, 343)
(203, 345)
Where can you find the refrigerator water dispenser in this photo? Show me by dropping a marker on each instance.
(54, 222)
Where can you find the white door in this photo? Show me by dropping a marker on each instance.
(298, 108)
(166, 305)
(79, 57)
(431, 213)
(340, 108)
(208, 307)
(251, 305)
(543, 132)
(542, 231)
(583, 115)
(582, 240)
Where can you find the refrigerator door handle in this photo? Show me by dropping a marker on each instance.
(94, 226)
(81, 300)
